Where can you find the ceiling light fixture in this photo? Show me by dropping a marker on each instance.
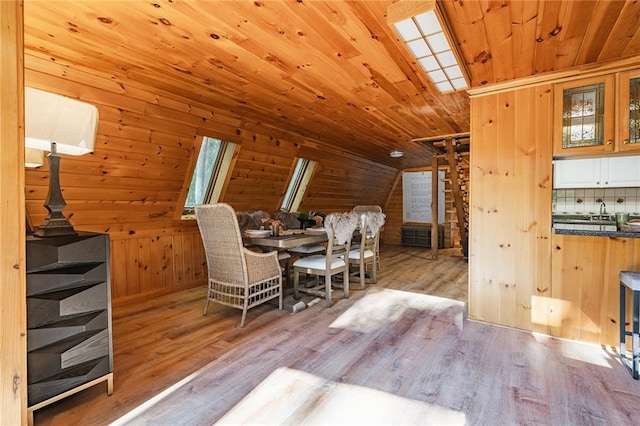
(426, 35)
(396, 154)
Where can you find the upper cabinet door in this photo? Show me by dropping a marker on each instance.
(577, 173)
(584, 116)
(629, 106)
(621, 171)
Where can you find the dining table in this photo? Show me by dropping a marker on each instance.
(287, 239)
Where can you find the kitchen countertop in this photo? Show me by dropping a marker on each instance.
(590, 224)
(596, 231)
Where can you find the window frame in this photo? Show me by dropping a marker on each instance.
(219, 179)
(301, 175)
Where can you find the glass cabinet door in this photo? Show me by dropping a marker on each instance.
(629, 104)
(584, 115)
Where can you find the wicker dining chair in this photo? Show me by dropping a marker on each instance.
(237, 277)
(339, 227)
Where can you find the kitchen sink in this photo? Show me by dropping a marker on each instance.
(586, 221)
(593, 219)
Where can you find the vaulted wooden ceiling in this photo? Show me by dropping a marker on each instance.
(333, 71)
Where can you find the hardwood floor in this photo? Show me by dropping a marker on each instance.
(400, 352)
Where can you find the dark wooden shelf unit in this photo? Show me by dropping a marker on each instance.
(69, 339)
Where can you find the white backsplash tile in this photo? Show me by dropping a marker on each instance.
(586, 200)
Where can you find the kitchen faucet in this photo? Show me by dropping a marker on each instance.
(603, 210)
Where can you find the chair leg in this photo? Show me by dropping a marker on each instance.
(635, 336)
(206, 305)
(296, 281)
(244, 312)
(346, 281)
(363, 271)
(622, 322)
(327, 290)
(374, 272)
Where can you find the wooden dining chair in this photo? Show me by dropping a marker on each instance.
(366, 254)
(340, 228)
(361, 209)
(237, 277)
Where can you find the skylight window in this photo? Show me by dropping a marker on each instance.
(298, 184)
(210, 173)
(426, 39)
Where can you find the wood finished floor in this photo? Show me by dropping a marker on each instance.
(400, 352)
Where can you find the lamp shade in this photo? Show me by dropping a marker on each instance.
(52, 118)
(33, 157)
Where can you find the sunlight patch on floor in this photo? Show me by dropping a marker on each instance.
(381, 307)
(294, 397)
(581, 351)
(131, 415)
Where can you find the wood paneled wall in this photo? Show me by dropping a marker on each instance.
(343, 181)
(130, 185)
(586, 288)
(511, 158)
(13, 323)
(393, 209)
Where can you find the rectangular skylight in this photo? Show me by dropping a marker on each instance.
(425, 38)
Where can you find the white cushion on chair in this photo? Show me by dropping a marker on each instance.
(309, 248)
(317, 262)
(282, 255)
(355, 254)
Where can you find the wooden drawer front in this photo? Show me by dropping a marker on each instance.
(54, 307)
(77, 276)
(61, 252)
(45, 389)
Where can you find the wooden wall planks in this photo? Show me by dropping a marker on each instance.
(13, 323)
(586, 289)
(131, 185)
(509, 263)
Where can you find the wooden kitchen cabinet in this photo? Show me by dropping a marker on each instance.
(629, 111)
(603, 172)
(585, 288)
(584, 114)
(577, 173)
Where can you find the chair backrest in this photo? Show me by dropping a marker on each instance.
(374, 222)
(370, 225)
(364, 209)
(340, 228)
(222, 241)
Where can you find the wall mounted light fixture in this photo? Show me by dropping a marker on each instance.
(424, 31)
(59, 125)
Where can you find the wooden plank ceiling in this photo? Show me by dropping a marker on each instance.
(331, 71)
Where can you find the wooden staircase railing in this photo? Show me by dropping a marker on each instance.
(453, 155)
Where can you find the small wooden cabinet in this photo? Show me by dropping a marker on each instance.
(597, 115)
(604, 172)
(584, 302)
(629, 111)
(69, 340)
(584, 116)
